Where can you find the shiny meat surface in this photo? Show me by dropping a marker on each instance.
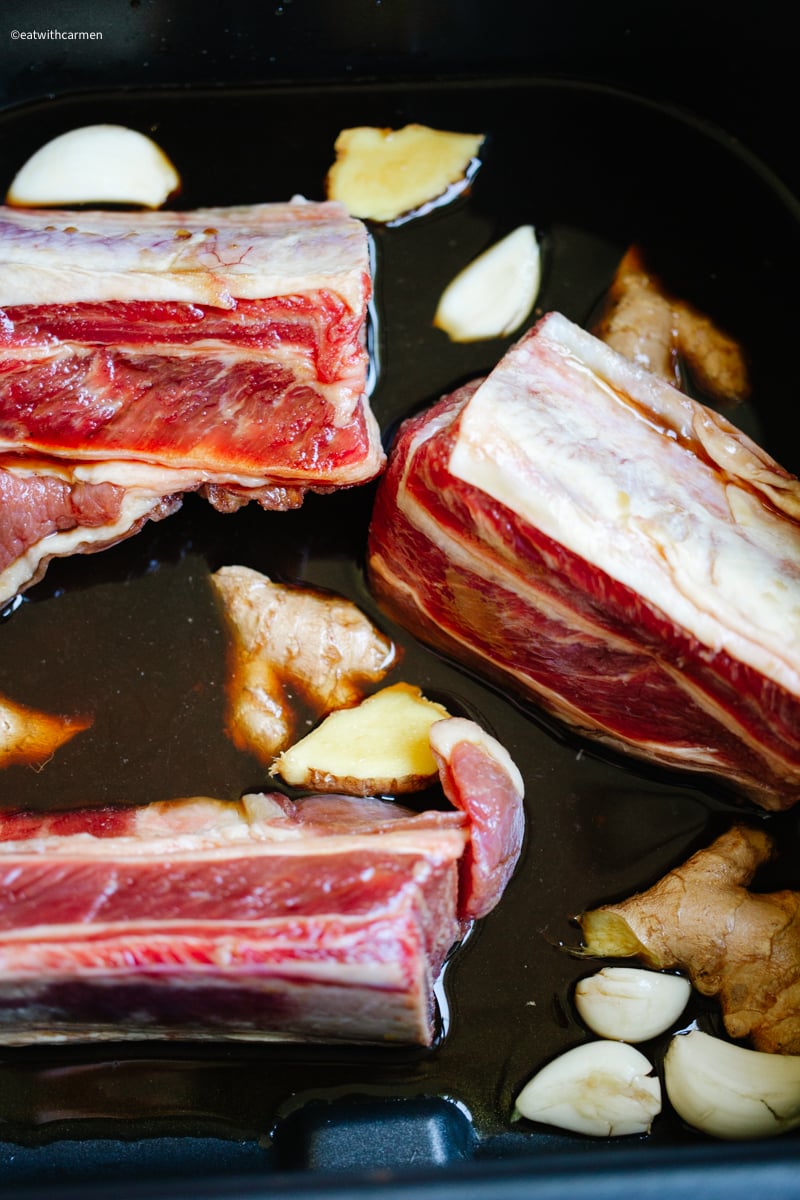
(223, 348)
(611, 549)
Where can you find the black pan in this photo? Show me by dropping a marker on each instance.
(133, 635)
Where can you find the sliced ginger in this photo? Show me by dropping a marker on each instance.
(383, 174)
(741, 946)
(292, 647)
(380, 746)
(658, 331)
(28, 736)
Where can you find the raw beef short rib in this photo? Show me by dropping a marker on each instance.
(220, 350)
(327, 918)
(583, 533)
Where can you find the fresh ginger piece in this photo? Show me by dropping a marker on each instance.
(292, 649)
(741, 946)
(639, 320)
(32, 737)
(383, 174)
(657, 330)
(380, 746)
(713, 356)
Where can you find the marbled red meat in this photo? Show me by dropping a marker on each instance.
(36, 505)
(322, 326)
(48, 510)
(329, 917)
(225, 348)
(611, 550)
(209, 415)
(479, 778)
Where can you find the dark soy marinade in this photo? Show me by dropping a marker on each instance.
(133, 635)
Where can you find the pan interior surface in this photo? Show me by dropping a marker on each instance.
(134, 635)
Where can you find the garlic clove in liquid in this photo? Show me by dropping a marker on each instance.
(495, 293)
(730, 1091)
(604, 1089)
(96, 164)
(630, 1004)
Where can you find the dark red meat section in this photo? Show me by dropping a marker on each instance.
(34, 506)
(319, 326)
(567, 636)
(197, 918)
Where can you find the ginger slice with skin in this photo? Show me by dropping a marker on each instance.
(293, 651)
(639, 320)
(384, 174)
(30, 737)
(657, 330)
(741, 946)
(379, 746)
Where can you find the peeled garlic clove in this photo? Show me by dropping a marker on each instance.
(630, 1004)
(96, 164)
(494, 294)
(730, 1091)
(604, 1089)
